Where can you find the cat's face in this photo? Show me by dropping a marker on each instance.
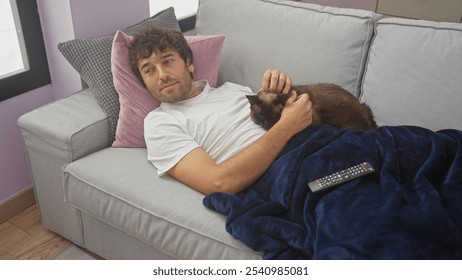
(266, 108)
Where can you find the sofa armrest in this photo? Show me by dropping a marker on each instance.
(75, 125)
(55, 135)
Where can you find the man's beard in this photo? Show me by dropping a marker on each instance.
(175, 91)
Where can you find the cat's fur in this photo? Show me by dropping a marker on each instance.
(331, 104)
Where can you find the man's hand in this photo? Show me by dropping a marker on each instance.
(275, 81)
(297, 113)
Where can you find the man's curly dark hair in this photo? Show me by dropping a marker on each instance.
(157, 39)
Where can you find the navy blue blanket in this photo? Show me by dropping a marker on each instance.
(410, 208)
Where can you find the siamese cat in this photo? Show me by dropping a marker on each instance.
(331, 104)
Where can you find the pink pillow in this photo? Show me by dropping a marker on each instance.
(135, 100)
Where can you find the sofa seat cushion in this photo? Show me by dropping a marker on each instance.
(414, 74)
(120, 187)
(312, 43)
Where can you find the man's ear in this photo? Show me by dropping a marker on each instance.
(190, 67)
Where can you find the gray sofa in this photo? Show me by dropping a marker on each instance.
(111, 201)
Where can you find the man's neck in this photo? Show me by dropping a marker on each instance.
(200, 86)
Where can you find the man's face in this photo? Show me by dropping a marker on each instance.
(167, 77)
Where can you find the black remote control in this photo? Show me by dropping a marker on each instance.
(341, 177)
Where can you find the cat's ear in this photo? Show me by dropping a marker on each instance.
(252, 99)
(282, 98)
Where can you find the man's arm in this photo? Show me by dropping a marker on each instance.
(198, 170)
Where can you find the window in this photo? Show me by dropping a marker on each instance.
(23, 63)
(11, 57)
(185, 11)
(183, 8)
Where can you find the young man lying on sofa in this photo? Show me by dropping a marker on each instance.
(410, 208)
(235, 158)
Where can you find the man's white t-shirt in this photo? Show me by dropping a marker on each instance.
(218, 120)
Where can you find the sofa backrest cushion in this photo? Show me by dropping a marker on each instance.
(414, 74)
(310, 42)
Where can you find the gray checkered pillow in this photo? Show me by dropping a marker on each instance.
(91, 58)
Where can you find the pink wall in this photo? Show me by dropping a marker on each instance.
(61, 21)
(14, 171)
(100, 17)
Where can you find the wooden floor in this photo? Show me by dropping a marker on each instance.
(24, 238)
